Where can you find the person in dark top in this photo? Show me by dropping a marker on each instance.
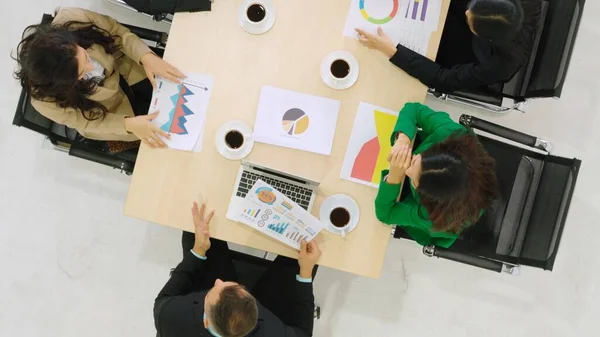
(484, 42)
(203, 298)
(157, 7)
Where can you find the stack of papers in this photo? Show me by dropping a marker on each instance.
(272, 213)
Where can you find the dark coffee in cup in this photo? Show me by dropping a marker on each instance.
(340, 69)
(339, 217)
(234, 139)
(256, 13)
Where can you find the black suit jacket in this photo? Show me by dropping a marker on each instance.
(495, 64)
(178, 310)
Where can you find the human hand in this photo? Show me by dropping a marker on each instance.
(202, 243)
(380, 41)
(401, 139)
(148, 133)
(400, 159)
(155, 66)
(309, 255)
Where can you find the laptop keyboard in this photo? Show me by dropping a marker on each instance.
(298, 194)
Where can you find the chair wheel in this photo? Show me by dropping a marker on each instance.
(317, 312)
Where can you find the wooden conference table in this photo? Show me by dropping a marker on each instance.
(166, 182)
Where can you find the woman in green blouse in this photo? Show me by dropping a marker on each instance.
(452, 177)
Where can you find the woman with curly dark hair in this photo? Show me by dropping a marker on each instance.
(79, 70)
(452, 178)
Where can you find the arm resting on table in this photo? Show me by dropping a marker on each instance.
(415, 115)
(461, 76)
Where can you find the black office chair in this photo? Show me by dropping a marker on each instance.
(66, 139)
(544, 75)
(162, 17)
(524, 226)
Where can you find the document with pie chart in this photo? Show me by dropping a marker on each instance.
(407, 22)
(369, 145)
(295, 120)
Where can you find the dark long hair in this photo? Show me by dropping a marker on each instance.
(458, 180)
(497, 20)
(48, 68)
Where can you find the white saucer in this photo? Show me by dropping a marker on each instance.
(333, 82)
(243, 151)
(257, 28)
(335, 201)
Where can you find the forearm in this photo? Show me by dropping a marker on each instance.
(303, 309)
(386, 199)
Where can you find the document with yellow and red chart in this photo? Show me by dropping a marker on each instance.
(272, 213)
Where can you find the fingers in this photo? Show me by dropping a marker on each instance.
(162, 133)
(210, 216)
(148, 143)
(303, 246)
(175, 72)
(195, 214)
(158, 141)
(201, 213)
(152, 116)
(313, 246)
(360, 32)
(408, 159)
(380, 31)
(171, 78)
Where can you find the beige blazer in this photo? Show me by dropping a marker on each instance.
(125, 62)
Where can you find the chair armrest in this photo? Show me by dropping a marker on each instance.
(148, 34)
(504, 132)
(101, 158)
(471, 260)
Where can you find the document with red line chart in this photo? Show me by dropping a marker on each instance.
(182, 110)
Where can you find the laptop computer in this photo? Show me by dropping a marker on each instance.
(300, 190)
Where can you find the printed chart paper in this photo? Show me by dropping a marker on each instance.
(182, 109)
(407, 22)
(369, 145)
(272, 213)
(298, 121)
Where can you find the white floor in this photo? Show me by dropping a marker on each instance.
(73, 265)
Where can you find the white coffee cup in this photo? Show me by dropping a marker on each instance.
(258, 12)
(340, 214)
(341, 65)
(234, 140)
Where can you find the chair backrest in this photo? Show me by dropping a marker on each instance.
(524, 226)
(516, 88)
(555, 48)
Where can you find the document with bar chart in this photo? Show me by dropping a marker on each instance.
(272, 213)
(407, 22)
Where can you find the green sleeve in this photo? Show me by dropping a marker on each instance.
(391, 212)
(415, 115)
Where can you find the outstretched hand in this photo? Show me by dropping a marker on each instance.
(155, 66)
(148, 133)
(380, 41)
(201, 227)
